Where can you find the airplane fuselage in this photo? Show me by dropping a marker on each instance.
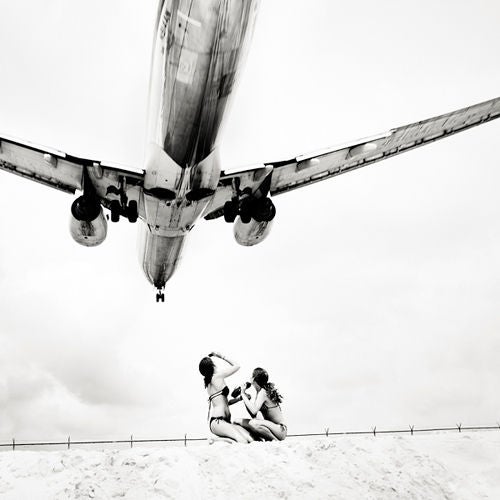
(197, 50)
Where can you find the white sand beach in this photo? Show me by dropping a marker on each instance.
(427, 466)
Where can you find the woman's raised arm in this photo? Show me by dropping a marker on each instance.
(253, 407)
(227, 371)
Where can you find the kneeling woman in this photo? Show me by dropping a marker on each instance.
(218, 409)
(267, 401)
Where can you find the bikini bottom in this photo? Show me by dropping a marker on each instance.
(218, 419)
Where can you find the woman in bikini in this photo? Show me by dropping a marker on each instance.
(218, 408)
(272, 427)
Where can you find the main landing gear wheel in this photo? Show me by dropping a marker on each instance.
(132, 212)
(230, 211)
(116, 209)
(259, 209)
(246, 211)
(160, 297)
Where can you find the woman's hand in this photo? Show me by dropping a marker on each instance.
(234, 367)
(243, 389)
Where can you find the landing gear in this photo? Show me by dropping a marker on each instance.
(259, 209)
(116, 209)
(231, 210)
(160, 296)
(132, 212)
(246, 211)
(122, 206)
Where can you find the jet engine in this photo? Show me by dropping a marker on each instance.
(88, 225)
(251, 233)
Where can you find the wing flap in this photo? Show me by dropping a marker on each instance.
(43, 166)
(307, 169)
(320, 165)
(65, 172)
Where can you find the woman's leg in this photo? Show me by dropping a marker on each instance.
(269, 430)
(256, 432)
(222, 428)
(243, 423)
(244, 432)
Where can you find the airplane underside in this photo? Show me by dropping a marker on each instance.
(198, 48)
(160, 256)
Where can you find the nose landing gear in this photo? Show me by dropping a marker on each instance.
(160, 296)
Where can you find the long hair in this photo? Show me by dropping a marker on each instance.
(207, 368)
(262, 378)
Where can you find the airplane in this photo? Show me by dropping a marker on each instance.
(198, 50)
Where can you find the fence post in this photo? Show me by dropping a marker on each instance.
(459, 427)
(13, 444)
(69, 441)
(131, 440)
(185, 439)
(327, 430)
(375, 431)
(411, 429)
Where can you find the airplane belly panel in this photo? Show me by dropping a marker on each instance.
(171, 217)
(159, 255)
(197, 50)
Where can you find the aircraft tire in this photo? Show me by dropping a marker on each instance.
(115, 208)
(230, 211)
(132, 212)
(245, 217)
(246, 211)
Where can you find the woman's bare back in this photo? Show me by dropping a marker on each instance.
(271, 411)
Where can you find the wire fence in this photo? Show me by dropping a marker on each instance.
(185, 440)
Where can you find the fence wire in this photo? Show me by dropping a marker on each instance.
(327, 433)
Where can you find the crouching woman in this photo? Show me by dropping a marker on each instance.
(218, 409)
(272, 426)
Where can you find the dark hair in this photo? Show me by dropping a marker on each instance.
(262, 378)
(207, 368)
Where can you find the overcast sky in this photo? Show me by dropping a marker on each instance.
(374, 301)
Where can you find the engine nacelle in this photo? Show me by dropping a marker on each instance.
(252, 233)
(88, 226)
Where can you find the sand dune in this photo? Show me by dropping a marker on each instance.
(446, 465)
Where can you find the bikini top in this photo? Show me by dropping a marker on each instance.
(223, 392)
(265, 407)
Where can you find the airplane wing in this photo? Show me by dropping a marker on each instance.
(307, 169)
(65, 172)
